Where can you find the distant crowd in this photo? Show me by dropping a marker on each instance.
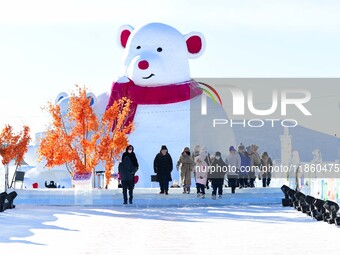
(238, 170)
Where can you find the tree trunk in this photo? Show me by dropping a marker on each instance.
(15, 172)
(94, 177)
(6, 178)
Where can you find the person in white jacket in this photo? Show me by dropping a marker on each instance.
(201, 174)
(234, 165)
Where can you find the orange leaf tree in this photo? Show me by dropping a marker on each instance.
(89, 139)
(114, 141)
(13, 146)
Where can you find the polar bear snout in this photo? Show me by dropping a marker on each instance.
(143, 68)
(143, 64)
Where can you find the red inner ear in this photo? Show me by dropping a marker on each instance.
(124, 36)
(194, 44)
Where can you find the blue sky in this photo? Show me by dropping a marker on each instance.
(48, 46)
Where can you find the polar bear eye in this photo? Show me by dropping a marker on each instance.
(138, 47)
(159, 49)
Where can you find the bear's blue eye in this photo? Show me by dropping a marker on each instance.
(138, 47)
(159, 49)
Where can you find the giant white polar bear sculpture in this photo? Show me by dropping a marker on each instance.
(155, 75)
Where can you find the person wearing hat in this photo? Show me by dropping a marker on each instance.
(255, 162)
(266, 169)
(163, 166)
(185, 163)
(129, 152)
(234, 165)
(245, 165)
(216, 175)
(127, 170)
(196, 151)
(201, 173)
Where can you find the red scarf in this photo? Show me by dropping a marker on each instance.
(167, 94)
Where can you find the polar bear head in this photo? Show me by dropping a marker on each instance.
(157, 54)
(63, 100)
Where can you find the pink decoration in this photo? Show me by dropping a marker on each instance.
(194, 44)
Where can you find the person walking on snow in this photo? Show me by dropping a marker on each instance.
(234, 164)
(163, 166)
(255, 162)
(216, 175)
(245, 166)
(209, 162)
(127, 170)
(130, 152)
(185, 164)
(266, 169)
(201, 174)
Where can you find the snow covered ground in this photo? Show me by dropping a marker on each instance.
(232, 229)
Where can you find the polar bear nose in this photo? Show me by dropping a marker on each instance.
(143, 64)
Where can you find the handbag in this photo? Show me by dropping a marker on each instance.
(154, 178)
(135, 179)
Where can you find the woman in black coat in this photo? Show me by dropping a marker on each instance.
(162, 167)
(216, 175)
(129, 152)
(127, 172)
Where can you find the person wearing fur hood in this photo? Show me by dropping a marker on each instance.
(201, 174)
(185, 163)
(234, 165)
(255, 163)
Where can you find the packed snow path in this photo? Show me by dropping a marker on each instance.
(242, 229)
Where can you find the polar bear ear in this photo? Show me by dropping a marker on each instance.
(123, 35)
(92, 97)
(60, 96)
(195, 44)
